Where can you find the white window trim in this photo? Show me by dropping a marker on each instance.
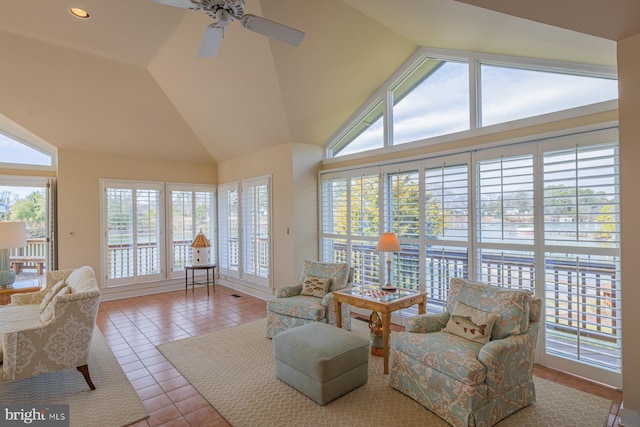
(135, 279)
(475, 59)
(240, 274)
(177, 186)
(591, 134)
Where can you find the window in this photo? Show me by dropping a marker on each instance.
(402, 216)
(431, 101)
(17, 152)
(191, 209)
(256, 230)
(350, 230)
(133, 224)
(446, 224)
(582, 252)
(438, 93)
(229, 231)
(505, 212)
(245, 230)
(541, 216)
(510, 93)
(134, 241)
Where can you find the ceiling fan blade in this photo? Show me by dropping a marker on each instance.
(272, 29)
(211, 41)
(184, 4)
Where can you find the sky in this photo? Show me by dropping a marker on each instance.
(440, 104)
(12, 151)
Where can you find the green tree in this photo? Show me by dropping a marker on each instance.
(32, 211)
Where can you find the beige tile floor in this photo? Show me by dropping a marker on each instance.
(134, 326)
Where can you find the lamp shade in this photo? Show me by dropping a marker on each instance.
(388, 242)
(13, 234)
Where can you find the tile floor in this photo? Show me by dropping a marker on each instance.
(134, 326)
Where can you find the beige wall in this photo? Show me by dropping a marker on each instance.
(79, 175)
(293, 170)
(629, 104)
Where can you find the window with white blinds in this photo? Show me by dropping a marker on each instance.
(505, 199)
(582, 252)
(228, 228)
(541, 216)
(133, 237)
(191, 209)
(244, 230)
(350, 226)
(505, 218)
(402, 216)
(446, 224)
(256, 230)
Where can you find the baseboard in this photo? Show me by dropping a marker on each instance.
(628, 418)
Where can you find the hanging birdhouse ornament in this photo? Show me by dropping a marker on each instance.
(200, 249)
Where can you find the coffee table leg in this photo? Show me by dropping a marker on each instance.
(386, 325)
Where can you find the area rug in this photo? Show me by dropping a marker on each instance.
(233, 370)
(114, 402)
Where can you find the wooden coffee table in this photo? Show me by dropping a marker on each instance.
(382, 302)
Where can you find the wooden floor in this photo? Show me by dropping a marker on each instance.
(134, 326)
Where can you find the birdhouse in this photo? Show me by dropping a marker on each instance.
(200, 249)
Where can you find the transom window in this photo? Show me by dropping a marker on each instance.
(438, 93)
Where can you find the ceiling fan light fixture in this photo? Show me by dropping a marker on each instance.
(79, 13)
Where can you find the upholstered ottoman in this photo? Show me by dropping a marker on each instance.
(321, 361)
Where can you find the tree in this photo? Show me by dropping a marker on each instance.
(32, 211)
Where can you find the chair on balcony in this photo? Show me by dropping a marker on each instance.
(472, 365)
(311, 300)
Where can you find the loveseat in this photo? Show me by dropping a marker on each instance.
(472, 365)
(50, 329)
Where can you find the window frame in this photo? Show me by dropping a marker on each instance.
(241, 273)
(384, 94)
(211, 235)
(135, 278)
(537, 146)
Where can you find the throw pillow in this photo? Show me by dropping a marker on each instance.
(471, 323)
(46, 306)
(315, 286)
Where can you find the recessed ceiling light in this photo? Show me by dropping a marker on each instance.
(79, 13)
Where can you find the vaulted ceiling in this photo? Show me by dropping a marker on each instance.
(129, 81)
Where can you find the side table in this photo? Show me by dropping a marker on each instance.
(193, 283)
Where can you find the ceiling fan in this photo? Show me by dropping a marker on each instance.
(224, 12)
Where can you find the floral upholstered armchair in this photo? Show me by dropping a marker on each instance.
(472, 365)
(51, 329)
(311, 300)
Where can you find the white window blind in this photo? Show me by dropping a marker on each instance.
(256, 230)
(133, 238)
(582, 252)
(191, 209)
(446, 226)
(403, 217)
(228, 228)
(350, 229)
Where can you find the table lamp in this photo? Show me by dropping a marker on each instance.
(388, 243)
(13, 234)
